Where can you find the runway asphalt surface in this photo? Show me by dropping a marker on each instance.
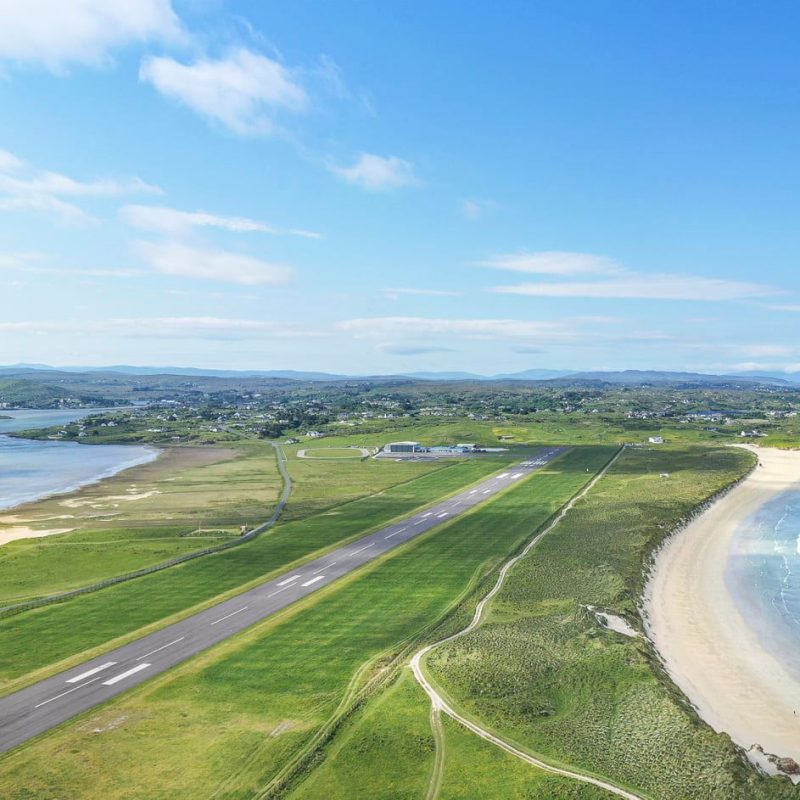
(50, 702)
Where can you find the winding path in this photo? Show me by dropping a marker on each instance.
(439, 704)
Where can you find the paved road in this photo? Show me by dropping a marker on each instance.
(38, 708)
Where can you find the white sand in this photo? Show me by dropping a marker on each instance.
(708, 648)
(20, 532)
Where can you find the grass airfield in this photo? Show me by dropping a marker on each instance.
(318, 702)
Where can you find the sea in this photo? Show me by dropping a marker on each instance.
(32, 469)
(763, 575)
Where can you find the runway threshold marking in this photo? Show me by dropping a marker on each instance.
(90, 672)
(163, 647)
(313, 580)
(69, 691)
(232, 614)
(503, 475)
(126, 674)
(289, 580)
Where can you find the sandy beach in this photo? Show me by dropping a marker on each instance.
(710, 651)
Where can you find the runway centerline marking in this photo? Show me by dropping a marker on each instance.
(126, 674)
(272, 594)
(90, 672)
(443, 514)
(228, 616)
(313, 580)
(360, 550)
(163, 647)
(317, 571)
(69, 691)
(289, 580)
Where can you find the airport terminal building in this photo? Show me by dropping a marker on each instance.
(404, 447)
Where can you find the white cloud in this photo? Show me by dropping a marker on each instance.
(789, 307)
(171, 221)
(243, 91)
(56, 33)
(614, 281)
(767, 350)
(553, 262)
(473, 209)
(396, 294)
(413, 349)
(181, 260)
(481, 328)
(153, 327)
(646, 287)
(377, 173)
(23, 187)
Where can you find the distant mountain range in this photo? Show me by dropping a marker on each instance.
(630, 377)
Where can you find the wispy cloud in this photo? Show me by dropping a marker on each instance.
(184, 261)
(377, 173)
(171, 221)
(646, 287)
(473, 209)
(553, 262)
(155, 327)
(482, 328)
(413, 349)
(613, 281)
(396, 294)
(244, 91)
(23, 187)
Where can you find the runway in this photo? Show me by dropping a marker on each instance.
(50, 702)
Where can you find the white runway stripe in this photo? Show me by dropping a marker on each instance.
(126, 674)
(90, 672)
(232, 614)
(313, 580)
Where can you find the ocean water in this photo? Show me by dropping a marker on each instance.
(763, 576)
(32, 469)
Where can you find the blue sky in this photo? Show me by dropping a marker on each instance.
(387, 187)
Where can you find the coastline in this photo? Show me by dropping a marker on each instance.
(709, 649)
(8, 513)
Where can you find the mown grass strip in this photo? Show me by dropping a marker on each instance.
(41, 639)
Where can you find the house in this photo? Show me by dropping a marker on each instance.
(315, 434)
(656, 440)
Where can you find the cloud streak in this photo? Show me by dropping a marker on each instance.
(377, 173)
(171, 221)
(23, 187)
(244, 91)
(184, 261)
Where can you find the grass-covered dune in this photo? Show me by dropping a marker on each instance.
(542, 672)
(227, 722)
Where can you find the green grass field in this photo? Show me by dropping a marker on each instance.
(332, 452)
(543, 673)
(224, 723)
(188, 499)
(42, 638)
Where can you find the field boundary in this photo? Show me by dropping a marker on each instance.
(59, 597)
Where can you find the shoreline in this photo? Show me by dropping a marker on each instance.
(711, 652)
(17, 532)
